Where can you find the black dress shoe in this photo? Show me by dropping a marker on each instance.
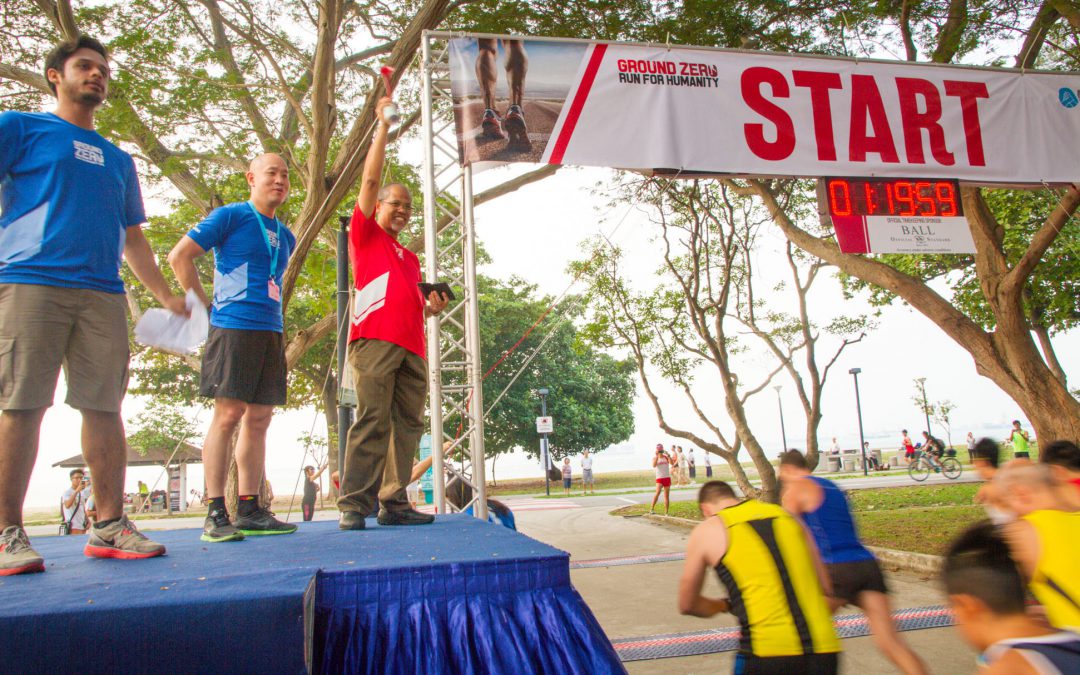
(351, 520)
(404, 517)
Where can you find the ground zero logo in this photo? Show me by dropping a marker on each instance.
(1068, 97)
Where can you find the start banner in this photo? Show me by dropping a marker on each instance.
(704, 111)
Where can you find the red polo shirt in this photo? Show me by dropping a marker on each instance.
(386, 304)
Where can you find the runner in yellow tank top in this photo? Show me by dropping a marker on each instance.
(1045, 542)
(775, 584)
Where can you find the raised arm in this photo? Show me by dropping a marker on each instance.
(371, 180)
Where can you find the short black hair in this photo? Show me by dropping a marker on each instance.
(309, 468)
(1062, 453)
(713, 490)
(71, 474)
(59, 55)
(794, 458)
(987, 449)
(978, 564)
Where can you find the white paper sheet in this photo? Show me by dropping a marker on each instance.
(161, 329)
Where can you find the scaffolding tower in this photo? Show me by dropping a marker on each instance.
(453, 337)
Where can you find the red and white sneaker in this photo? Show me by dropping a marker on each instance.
(16, 554)
(121, 539)
(515, 127)
(492, 125)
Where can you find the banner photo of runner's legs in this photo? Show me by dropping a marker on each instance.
(508, 95)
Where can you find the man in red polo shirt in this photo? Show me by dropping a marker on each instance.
(386, 351)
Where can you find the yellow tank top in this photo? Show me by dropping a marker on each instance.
(1056, 582)
(772, 584)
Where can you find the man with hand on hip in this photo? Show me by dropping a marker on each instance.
(243, 367)
(386, 350)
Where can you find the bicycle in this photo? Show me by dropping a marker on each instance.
(921, 467)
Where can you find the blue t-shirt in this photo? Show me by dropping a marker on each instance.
(67, 197)
(242, 265)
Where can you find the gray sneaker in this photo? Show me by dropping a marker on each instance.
(121, 539)
(217, 528)
(16, 555)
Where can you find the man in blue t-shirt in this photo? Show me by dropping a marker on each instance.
(70, 210)
(243, 367)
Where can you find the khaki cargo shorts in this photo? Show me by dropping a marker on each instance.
(45, 327)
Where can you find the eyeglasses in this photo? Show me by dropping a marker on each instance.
(404, 206)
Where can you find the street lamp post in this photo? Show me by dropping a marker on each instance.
(544, 441)
(925, 403)
(783, 433)
(858, 408)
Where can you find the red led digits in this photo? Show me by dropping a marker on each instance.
(840, 198)
(900, 198)
(946, 196)
(927, 205)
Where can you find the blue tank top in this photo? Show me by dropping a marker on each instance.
(832, 527)
(1055, 654)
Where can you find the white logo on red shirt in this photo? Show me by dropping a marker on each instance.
(400, 253)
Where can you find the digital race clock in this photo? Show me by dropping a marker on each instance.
(896, 215)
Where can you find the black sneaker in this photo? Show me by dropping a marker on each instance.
(351, 520)
(263, 522)
(217, 528)
(404, 517)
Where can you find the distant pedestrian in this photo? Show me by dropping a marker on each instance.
(311, 490)
(970, 446)
(708, 465)
(567, 476)
(73, 502)
(586, 473)
(675, 460)
(908, 446)
(1019, 439)
(834, 449)
(684, 467)
(662, 465)
(691, 464)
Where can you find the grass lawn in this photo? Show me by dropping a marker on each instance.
(616, 480)
(922, 519)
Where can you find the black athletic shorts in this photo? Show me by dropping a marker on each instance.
(804, 664)
(851, 578)
(248, 365)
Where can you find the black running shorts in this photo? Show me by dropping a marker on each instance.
(804, 664)
(851, 578)
(248, 365)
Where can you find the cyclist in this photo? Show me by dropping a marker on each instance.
(933, 449)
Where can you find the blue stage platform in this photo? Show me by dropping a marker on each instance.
(458, 596)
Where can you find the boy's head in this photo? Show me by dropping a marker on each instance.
(714, 496)
(983, 583)
(985, 455)
(793, 465)
(1063, 457)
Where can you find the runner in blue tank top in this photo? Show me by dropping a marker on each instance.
(855, 573)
